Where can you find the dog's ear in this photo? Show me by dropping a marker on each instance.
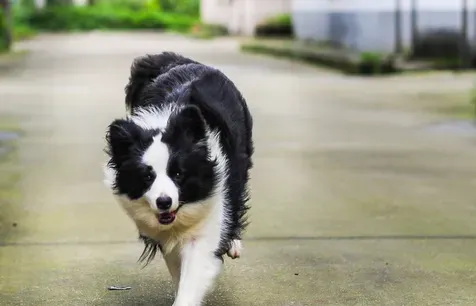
(208, 93)
(121, 136)
(187, 124)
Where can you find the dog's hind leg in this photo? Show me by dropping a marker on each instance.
(198, 272)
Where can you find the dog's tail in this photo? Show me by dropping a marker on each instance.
(145, 69)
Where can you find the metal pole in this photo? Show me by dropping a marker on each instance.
(464, 50)
(414, 23)
(398, 27)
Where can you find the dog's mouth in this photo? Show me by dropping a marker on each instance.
(167, 217)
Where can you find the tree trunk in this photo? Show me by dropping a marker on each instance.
(5, 25)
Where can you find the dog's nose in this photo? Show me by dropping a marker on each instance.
(163, 202)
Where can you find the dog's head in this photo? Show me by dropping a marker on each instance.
(160, 160)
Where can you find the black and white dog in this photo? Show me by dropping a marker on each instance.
(179, 165)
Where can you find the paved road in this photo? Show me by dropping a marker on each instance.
(352, 205)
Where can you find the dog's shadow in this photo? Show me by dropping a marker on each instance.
(162, 295)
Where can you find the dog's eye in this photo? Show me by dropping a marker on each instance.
(177, 175)
(149, 175)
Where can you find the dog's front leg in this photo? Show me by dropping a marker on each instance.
(173, 263)
(199, 270)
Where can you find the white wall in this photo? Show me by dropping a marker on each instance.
(369, 25)
(216, 11)
(242, 16)
(260, 10)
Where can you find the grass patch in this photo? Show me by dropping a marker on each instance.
(23, 32)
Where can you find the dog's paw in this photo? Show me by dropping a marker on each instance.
(235, 249)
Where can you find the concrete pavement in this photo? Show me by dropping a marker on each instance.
(352, 204)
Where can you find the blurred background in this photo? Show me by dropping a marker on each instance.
(364, 185)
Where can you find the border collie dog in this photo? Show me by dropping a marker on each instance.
(179, 165)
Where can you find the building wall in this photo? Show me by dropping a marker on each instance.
(371, 27)
(260, 10)
(242, 16)
(216, 11)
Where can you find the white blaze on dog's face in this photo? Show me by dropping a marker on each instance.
(163, 194)
(162, 169)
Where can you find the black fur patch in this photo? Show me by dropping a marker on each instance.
(189, 161)
(126, 145)
(150, 250)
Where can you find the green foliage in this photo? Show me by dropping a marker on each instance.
(133, 5)
(374, 63)
(277, 26)
(51, 3)
(183, 7)
(3, 32)
(21, 11)
(22, 32)
(105, 17)
(283, 20)
(24, 5)
(186, 7)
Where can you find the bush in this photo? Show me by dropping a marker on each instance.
(133, 5)
(374, 63)
(185, 7)
(278, 26)
(21, 32)
(90, 18)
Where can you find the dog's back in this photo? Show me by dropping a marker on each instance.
(155, 77)
(145, 69)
